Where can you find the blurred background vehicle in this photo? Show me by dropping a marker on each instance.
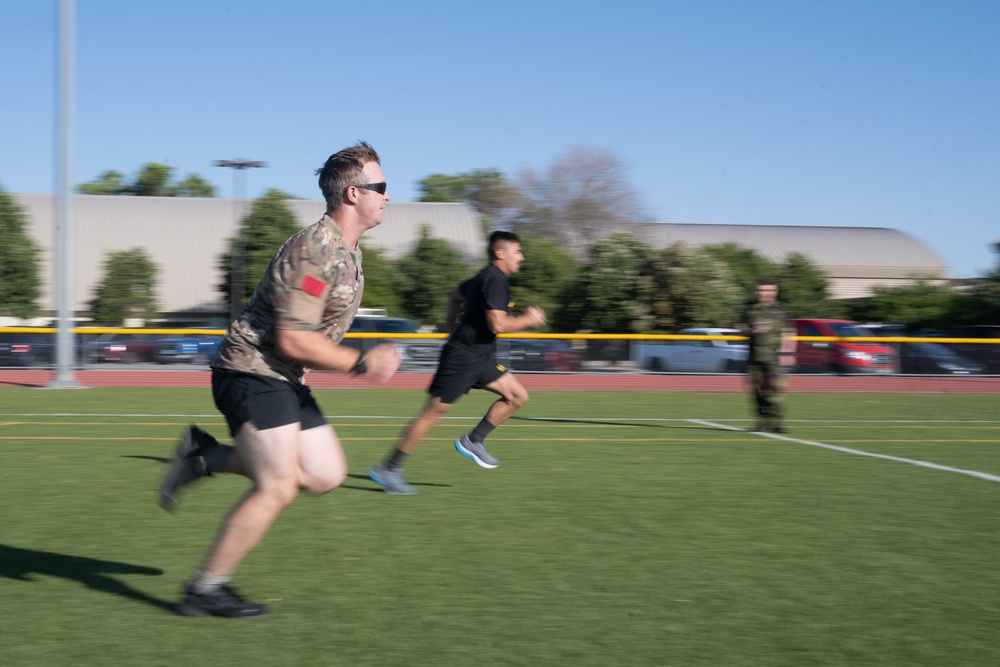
(534, 354)
(186, 349)
(840, 356)
(417, 354)
(27, 349)
(986, 354)
(120, 347)
(935, 359)
(694, 356)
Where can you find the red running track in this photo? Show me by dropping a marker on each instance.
(581, 382)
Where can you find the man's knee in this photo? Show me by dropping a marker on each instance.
(326, 483)
(277, 494)
(519, 398)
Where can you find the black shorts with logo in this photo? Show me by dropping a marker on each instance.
(263, 401)
(462, 368)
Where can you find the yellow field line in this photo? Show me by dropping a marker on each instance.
(735, 439)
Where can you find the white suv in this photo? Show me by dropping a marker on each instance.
(694, 356)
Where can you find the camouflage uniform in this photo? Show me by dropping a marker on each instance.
(314, 283)
(763, 367)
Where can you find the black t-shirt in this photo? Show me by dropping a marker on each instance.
(488, 290)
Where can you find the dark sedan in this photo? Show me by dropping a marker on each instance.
(27, 349)
(186, 349)
(120, 347)
(533, 354)
(935, 359)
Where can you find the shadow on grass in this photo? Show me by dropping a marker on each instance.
(686, 426)
(378, 489)
(158, 459)
(21, 564)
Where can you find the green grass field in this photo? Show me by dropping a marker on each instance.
(627, 529)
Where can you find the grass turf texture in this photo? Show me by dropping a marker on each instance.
(612, 543)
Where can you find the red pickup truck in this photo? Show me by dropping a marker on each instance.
(840, 356)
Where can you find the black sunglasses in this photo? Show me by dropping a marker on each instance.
(374, 187)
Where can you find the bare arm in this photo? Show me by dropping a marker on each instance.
(787, 350)
(500, 322)
(314, 350)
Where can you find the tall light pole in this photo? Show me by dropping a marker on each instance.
(237, 283)
(64, 378)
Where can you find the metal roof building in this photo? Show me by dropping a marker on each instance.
(855, 259)
(185, 237)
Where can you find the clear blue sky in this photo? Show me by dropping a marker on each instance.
(873, 113)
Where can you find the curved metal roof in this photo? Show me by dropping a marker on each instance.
(847, 252)
(185, 237)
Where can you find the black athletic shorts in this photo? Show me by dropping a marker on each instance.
(263, 401)
(462, 368)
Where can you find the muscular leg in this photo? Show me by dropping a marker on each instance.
(279, 461)
(422, 424)
(512, 396)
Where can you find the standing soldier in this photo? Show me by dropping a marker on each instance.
(772, 349)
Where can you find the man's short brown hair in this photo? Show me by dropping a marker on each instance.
(342, 170)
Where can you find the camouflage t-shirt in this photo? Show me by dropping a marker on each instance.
(764, 346)
(314, 283)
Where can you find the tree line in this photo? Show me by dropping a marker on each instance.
(584, 281)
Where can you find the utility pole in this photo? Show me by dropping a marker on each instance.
(64, 378)
(237, 284)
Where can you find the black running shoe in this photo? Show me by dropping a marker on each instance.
(224, 602)
(187, 465)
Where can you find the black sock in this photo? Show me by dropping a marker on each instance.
(483, 429)
(395, 460)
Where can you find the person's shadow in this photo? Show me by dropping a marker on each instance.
(21, 564)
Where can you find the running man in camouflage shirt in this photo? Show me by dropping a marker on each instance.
(772, 349)
(295, 321)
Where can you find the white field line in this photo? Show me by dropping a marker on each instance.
(702, 422)
(847, 450)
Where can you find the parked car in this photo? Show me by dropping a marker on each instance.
(186, 349)
(537, 354)
(695, 356)
(27, 349)
(841, 356)
(418, 354)
(121, 347)
(985, 354)
(935, 359)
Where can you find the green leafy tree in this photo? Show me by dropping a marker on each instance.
(922, 305)
(19, 263)
(745, 264)
(381, 285)
(803, 289)
(980, 304)
(690, 287)
(611, 294)
(545, 276)
(110, 182)
(194, 186)
(269, 224)
(427, 276)
(153, 180)
(128, 289)
(486, 190)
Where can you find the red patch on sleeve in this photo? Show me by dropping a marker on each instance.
(312, 286)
